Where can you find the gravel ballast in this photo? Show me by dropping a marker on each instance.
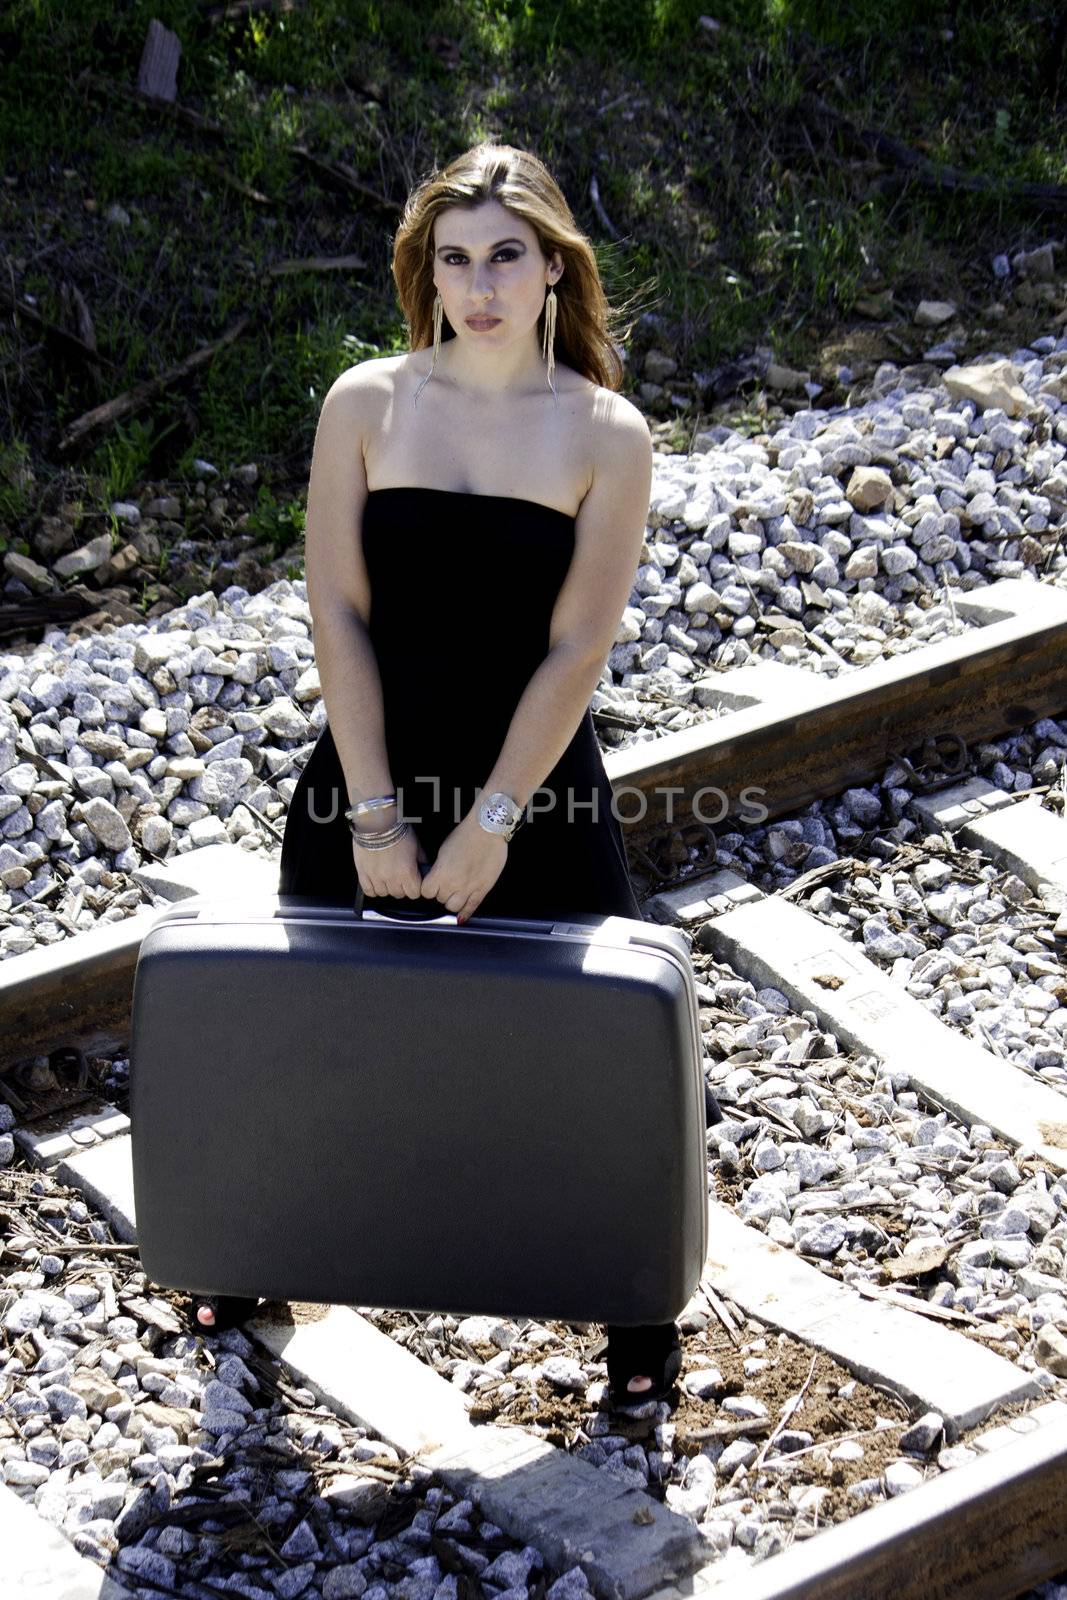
(835, 542)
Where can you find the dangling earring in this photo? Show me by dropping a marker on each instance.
(438, 313)
(548, 349)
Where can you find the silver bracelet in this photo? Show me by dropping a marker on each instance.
(379, 804)
(382, 840)
(362, 806)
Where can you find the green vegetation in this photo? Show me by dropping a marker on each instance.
(756, 219)
(15, 500)
(279, 523)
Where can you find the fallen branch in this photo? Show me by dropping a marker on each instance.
(112, 411)
(57, 1249)
(177, 113)
(112, 88)
(724, 1430)
(250, 8)
(264, 821)
(20, 615)
(342, 176)
(351, 263)
(912, 1302)
(719, 1307)
(932, 174)
(602, 216)
(74, 298)
(337, 173)
(245, 190)
(788, 1413)
(70, 341)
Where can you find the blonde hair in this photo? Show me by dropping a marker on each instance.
(587, 325)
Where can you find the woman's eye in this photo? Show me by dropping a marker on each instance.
(455, 256)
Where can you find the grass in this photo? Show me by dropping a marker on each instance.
(742, 218)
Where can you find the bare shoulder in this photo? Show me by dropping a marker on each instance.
(619, 415)
(361, 394)
(620, 435)
(366, 380)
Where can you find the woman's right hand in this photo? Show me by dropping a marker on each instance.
(393, 871)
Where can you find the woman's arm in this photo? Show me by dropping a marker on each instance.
(339, 595)
(609, 532)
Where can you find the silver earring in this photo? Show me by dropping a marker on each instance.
(548, 347)
(438, 313)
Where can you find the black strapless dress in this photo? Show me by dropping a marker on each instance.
(462, 591)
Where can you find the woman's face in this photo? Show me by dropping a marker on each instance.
(488, 263)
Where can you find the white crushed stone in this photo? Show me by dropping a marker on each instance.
(153, 740)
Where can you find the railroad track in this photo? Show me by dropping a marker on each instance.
(990, 1525)
(766, 750)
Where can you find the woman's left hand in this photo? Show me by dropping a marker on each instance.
(467, 865)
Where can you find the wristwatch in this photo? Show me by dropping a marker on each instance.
(499, 813)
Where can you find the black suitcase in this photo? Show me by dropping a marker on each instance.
(504, 1117)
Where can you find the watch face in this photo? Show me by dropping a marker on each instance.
(499, 813)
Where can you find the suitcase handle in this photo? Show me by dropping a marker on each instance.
(405, 916)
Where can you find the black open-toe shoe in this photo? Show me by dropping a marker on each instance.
(650, 1351)
(229, 1311)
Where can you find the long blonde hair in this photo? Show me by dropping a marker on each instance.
(587, 325)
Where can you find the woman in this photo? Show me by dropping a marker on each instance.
(489, 489)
